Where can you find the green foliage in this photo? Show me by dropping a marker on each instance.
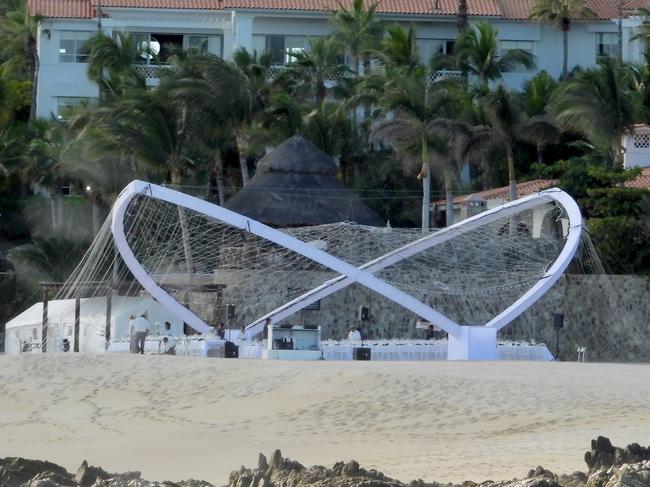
(478, 55)
(622, 243)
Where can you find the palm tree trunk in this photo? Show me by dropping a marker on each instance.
(321, 91)
(97, 214)
(32, 67)
(243, 165)
(449, 200)
(565, 61)
(216, 182)
(54, 211)
(461, 22)
(511, 173)
(426, 187)
(540, 154)
(187, 248)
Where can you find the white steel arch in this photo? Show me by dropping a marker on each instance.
(348, 273)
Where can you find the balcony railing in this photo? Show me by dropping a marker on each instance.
(444, 74)
(150, 71)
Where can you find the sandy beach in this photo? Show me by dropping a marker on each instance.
(181, 417)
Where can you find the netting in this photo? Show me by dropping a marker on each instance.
(228, 275)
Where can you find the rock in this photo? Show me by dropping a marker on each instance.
(14, 472)
(604, 455)
(88, 475)
(262, 463)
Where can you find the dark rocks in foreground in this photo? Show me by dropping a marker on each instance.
(608, 466)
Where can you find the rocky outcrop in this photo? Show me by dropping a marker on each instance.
(604, 455)
(21, 472)
(608, 465)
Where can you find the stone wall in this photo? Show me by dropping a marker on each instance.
(607, 314)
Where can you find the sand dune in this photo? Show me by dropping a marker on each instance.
(180, 417)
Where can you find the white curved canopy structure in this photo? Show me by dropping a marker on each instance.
(367, 274)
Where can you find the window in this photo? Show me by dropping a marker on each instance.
(65, 103)
(198, 43)
(505, 46)
(607, 44)
(71, 46)
(280, 47)
(275, 45)
(429, 48)
(156, 48)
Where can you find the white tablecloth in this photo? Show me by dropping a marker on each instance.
(397, 350)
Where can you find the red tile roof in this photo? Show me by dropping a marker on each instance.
(530, 187)
(523, 189)
(642, 181)
(75, 9)
(507, 9)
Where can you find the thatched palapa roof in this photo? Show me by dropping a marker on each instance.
(295, 185)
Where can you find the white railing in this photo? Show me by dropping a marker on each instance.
(444, 74)
(150, 71)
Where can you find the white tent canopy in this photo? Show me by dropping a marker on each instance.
(26, 327)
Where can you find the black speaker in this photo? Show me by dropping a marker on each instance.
(558, 321)
(231, 311)
(66, 345)
(231, 350)
(361, 353)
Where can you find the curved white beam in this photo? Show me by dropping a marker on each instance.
(413, 248)
(554, 272)
(261, 230)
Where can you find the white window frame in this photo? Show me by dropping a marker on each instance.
(79, 39)
(600, 37)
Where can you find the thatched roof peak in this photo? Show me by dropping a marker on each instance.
(297, 155)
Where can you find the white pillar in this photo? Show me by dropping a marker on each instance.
(242, 27)
(228, 42)
(473, 343)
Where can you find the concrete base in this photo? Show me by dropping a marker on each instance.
(473, 343)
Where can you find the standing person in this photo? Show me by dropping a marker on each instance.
(267, 325)
(141, 327)
(243, 334)
(221, 331)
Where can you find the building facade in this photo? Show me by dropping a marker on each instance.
(222, 26)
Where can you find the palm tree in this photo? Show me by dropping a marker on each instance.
(399, 49)
(18, 33)
(601, 103)
(504, 112)
(561, 13)
(536, 93)
(42, 162)
(540, 129)
(145, 127)
(221, 97)
(478, 55)
(358, 30)
(111, 63)
(318, 64)
(416, 130)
